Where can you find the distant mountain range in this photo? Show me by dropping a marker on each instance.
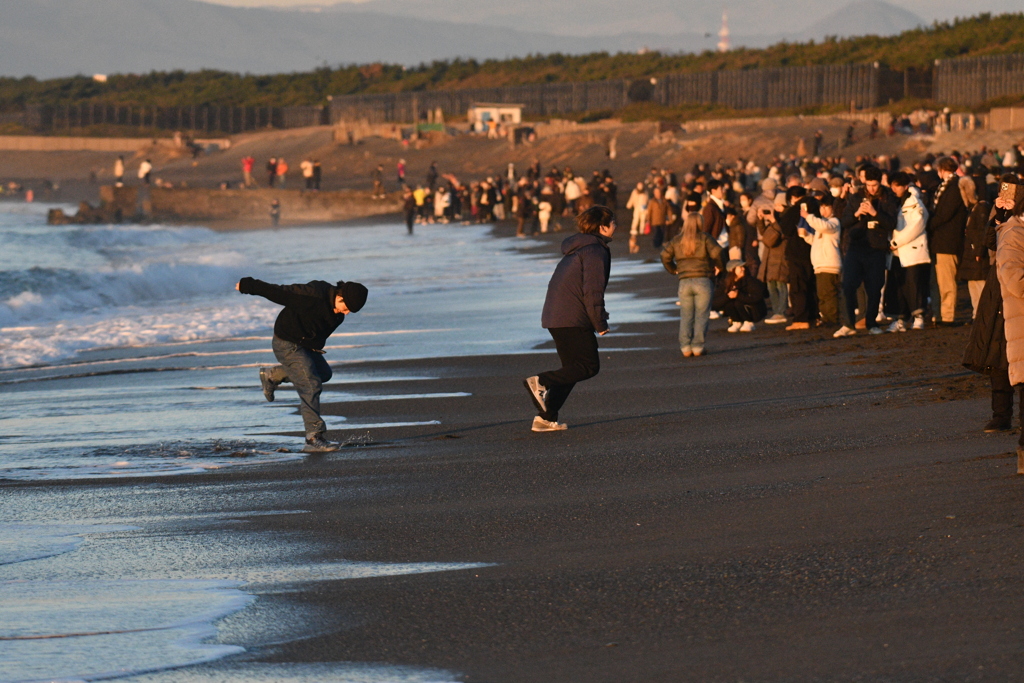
(49, 38)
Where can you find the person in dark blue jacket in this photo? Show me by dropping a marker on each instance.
(573, 312)
(312, 312)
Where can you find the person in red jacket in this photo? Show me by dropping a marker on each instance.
(311, 313)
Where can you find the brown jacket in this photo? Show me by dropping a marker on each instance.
(657, 212)
(1010, 268)
(774, 267)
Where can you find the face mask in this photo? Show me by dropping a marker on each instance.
(836, 191)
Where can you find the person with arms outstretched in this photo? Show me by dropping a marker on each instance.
(311, 313)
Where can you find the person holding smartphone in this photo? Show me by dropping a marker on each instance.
(867, 224)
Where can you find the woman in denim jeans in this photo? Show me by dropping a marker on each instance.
(695, 259)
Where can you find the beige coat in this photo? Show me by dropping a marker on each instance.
(1010, 269)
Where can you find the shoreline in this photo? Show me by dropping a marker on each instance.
(787, 506)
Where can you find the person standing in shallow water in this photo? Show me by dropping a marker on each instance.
(311, 314)
(573, 312)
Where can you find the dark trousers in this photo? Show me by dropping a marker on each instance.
(803, 292)
(827, 285)
(577, 349)
(910, 288)
(657, 236)
(1002, 399)
(867, 267)
(743, 313)
(307, 371)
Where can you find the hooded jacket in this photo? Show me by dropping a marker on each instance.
(909, 239)
(308, 318)
(576, 291)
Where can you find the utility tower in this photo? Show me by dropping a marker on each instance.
(723, 33)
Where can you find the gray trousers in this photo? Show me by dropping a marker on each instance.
(307, 371)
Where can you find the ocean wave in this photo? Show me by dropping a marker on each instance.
(42, 294)
(46, 342)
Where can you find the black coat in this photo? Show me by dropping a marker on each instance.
(576, 291)
(974, 262)
(798, 252)
(749, 292)
(986, 348)
(948, 220)
(855, 231)
(308, 318)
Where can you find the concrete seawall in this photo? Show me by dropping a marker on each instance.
(254, 205)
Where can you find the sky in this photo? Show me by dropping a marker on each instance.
(930, 10)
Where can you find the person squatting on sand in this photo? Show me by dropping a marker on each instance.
(311, 313)
(573, 311)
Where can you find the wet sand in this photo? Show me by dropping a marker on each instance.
(788, 507)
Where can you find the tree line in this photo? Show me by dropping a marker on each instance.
(983, 34)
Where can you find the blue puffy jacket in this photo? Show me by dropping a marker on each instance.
(576, 291)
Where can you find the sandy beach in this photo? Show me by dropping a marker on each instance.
(788, 507)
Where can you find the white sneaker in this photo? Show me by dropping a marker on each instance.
(747, 327)
(918, 322)
(538, 392)
(897, 326)
(844, 331)
(876, 330)
(776, 319)
(735, 327)
(714, 315)
(542, 425)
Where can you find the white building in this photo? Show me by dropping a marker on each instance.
(482, 113)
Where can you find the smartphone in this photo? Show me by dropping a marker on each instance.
(1012, 193)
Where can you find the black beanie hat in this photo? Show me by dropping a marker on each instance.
(353, 293)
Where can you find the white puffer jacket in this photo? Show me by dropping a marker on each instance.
(909, 239)
(825, 256)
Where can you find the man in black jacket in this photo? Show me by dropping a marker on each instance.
(311, 314)
(803, 290)
(946, 228)
(573, 312)
(867, 223)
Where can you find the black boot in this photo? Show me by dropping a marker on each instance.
(998, 424)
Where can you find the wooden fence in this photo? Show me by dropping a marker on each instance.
(957, 82)
(200, 119)
(969, 81)
(780, 88)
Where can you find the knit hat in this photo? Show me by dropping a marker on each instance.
(818, 185)
(353, 293)
(769, 185)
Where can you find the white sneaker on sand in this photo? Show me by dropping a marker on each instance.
(714, 315)
(876, 330)
(844, 331)
(918, 322)
(776, 319)
(897, 326)
(747, 327)
(735, 326)
(542, 425)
